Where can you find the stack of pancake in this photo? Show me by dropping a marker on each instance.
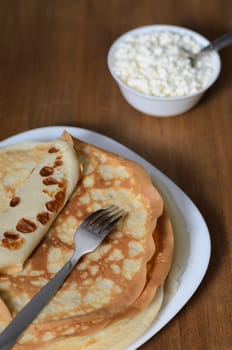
(115, 292)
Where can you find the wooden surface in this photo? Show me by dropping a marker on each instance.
(53, 72)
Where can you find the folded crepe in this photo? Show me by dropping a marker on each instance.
(34, 206)
(112, 290)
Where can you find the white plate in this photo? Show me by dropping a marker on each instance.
(192, 240)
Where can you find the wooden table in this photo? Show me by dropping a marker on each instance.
(53, 72)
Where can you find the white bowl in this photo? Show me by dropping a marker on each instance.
(162, 106)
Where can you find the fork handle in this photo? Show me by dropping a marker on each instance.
(23, 319)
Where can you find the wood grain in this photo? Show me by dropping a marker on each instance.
(53, 71)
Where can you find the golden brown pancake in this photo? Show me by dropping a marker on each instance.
(114, 282)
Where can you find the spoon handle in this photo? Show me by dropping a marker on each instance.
(219, 43)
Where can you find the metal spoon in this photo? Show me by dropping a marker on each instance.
(215, 45)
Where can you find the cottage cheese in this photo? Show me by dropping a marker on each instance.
(156, 64)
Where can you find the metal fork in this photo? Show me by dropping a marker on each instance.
(87, 238)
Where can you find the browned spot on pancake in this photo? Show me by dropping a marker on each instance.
(61, 184)
(46, 171)
(58, 162)
(11, 235)
(12, 240)
(53, 150)
(50, 181)
(55, 204)
(26, 226)
(43, 218)
(14, 201)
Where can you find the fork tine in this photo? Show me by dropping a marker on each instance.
(98, 214)
(90, 218)
(112, 217)
(110, 223)
(108, 211)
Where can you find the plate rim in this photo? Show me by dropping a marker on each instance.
(189, 210)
